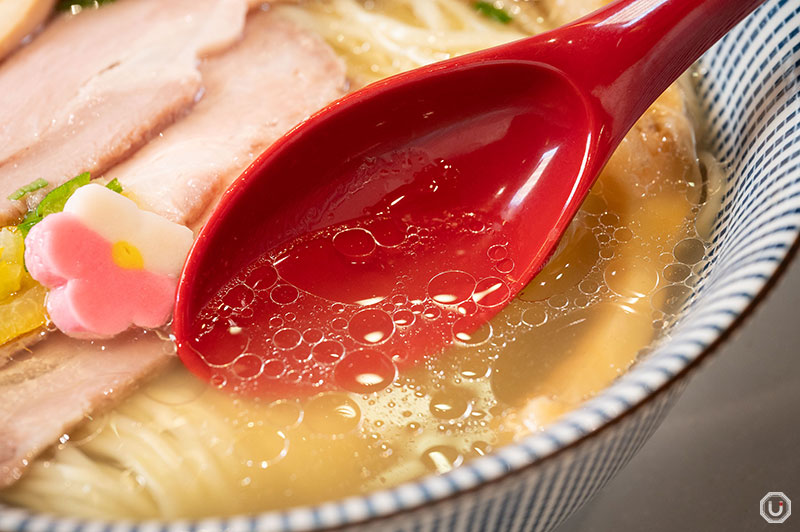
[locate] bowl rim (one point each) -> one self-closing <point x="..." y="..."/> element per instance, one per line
<point x="694" y="365"/>
<point x="25" y="516"/>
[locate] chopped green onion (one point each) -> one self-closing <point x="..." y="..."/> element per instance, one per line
<point x="69" y="5"/>
<point x="53" y="202"/>
<point x="28" y="222"/>
<point x="114" y="185"/>
<point x="23" y="191"/>
<point x="487" y="9"/>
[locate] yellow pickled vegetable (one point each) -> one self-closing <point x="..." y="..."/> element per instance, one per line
<point x="12" y="245"/>
<point x="10" y="279"/>
<point x="22" y="313"/>
<point x="21" y="298"/>
<point x="11" y="261"/>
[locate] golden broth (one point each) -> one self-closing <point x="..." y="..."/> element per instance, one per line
<point x="179" y="448"/>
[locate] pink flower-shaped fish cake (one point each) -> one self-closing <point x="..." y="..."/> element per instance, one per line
<point x="108" y="264"/>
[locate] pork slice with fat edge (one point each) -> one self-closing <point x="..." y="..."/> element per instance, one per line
<point x="254" y="93"/>
<point x="277" y="75"/>
<point x="93" y="87"/>
<point x="44" y="393"/>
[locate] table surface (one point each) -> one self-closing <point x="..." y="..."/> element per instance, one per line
<point x="732" y="437"/>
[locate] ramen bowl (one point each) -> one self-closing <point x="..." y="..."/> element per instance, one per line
<point x="748" y="90"/>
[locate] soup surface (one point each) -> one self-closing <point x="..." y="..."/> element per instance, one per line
<point x="631" y="258"/>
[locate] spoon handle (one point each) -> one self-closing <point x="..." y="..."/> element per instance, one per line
<point x="626" y="54"/>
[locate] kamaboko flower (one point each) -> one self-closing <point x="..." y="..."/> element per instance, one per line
<point x="108" y="264"/>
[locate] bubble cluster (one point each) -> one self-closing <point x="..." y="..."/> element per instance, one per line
<point x="360" y="340"/>
<point x="610" y="278"/>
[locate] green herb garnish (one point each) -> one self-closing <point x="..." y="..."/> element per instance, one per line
<point x="67" y="5"/>
<point x="53" y="202"/>
<point x="23" y="191"/>
<point x="487" y="9"/>
<point x="114" y="185"/>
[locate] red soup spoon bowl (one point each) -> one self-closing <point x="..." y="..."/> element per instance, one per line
<point x="398" y="220"/>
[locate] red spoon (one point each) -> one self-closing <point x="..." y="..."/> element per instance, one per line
<point x="398" y="220"/>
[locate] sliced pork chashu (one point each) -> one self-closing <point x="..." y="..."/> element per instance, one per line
<point x="47" y="391"/>
<point x="93" y="87"/>
<point x="254" y="92"/>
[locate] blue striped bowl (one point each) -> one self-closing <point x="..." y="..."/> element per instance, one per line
<point x="751" y="94"/>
